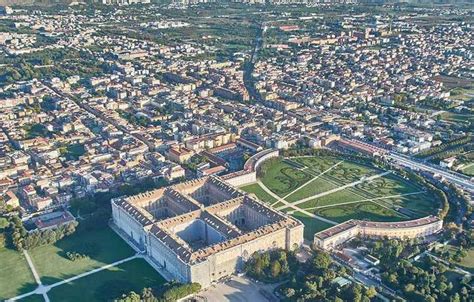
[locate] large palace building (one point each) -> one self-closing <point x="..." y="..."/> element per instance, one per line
<point x="204" y="229"/>
<point x="336" y="235"/>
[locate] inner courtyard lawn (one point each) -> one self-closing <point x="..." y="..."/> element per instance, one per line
<point x="109" y="284"/>
<point x="15" y="275"/>
<point x="102" y="246"/>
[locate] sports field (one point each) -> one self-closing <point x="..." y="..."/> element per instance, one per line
<point x="333" y="190"/>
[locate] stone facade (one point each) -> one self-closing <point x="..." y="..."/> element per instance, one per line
<point x="204" y="229"/>
<point x="418" y="228"/>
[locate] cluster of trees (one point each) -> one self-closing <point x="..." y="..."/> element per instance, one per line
<point x="21" y="239"/>
<point x="389" y="251"/>
<point x="437" y="103"/>
<point x="196" y="160"/>
<point x="36" y="130"/>
<point x="23" y="68"/>
<point x="135" y="120"/>
<point x="426" y="281"/>
<point x="315" y="282"/>
<point x="271" y="266"/>
<point x="73" y="256"/>
<point x="170" y="292"/>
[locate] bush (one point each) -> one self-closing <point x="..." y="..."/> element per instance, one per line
<point x="73" y="256"/>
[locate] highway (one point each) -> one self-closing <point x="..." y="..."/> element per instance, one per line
<point x="453" y="177"/>
<point x="417" y="164"/>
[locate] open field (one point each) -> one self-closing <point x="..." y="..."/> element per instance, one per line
<point x="259" y="192"/>
<point x="340" y="190"/>
<point x="311" y="225"/>
<point x="33" y="298"/>
<point x="103" y="247"/>
<point x="467" y="262"/>
<point x="109" y="284"/>
<point x="15" y="275"/>
<point x="469" y="170"/>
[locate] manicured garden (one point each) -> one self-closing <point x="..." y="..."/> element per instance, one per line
<point x="388" y="197"/>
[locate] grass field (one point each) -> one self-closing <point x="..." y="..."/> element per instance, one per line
<point x="311" y="225"/>
<point x="467" y="262"/>
<point x="15" y="275"/>
<point x="32" y="298"/>
<point x="259" y="192"/>
<point x="387" y="197"/>
<point x="109" y="284"/>
<point x="469" y="170"/>
<point x="103" y="247"/>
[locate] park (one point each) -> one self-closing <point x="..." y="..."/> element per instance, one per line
<point x="328" y="189"/>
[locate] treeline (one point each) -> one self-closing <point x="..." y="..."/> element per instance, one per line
<point x="21" y="239"/>
<point x="443" y="148"/>
<point x="171" y="292"/>
<point x="271" y="266"/>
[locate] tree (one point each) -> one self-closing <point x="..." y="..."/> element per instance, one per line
<point x="130" y="297"/>
<point x="289" y="292"/>
<point x="3" y="223"/>
<point x="409" y="288"/>
<point x="276" y="269"/>
<point x="321" y="261"/>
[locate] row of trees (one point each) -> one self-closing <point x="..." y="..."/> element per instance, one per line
<point x="442" y="149"/>
<point x="170" y="292"/>
<point x="21" y="239"/>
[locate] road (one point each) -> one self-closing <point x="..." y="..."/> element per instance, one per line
<point x="249" y="66"/>
<point x="456" y="178"/>
<point x="100" y="115"/>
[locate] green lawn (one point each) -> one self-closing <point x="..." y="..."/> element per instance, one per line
<point x="469" y="170"/>
<point x="259" y="192"/>
<point x="15" y="275"/>
<point x="311" y="225"/>
<point x="33" y="298"/>
<point x="109" y="284"/>
<point x="467" y="262"/>
<point x="103" y="246"/>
